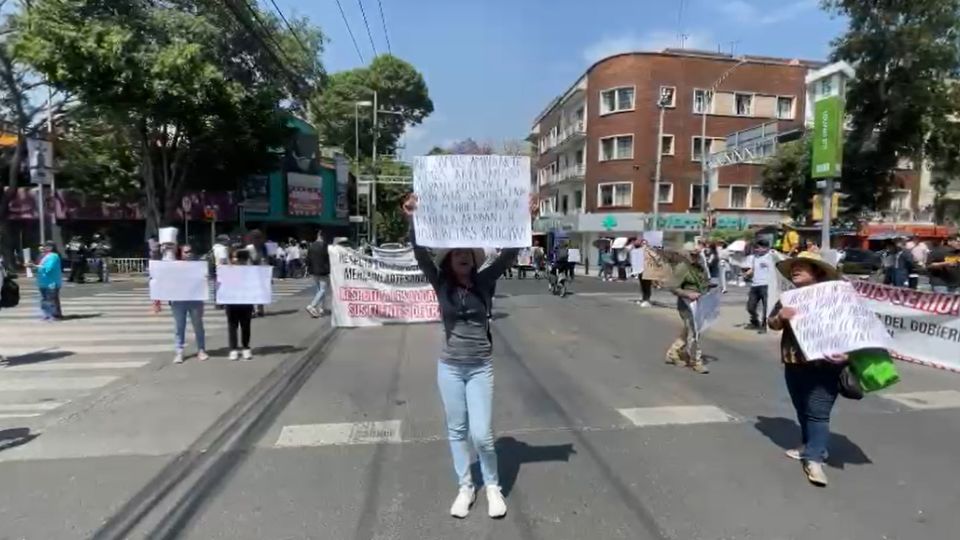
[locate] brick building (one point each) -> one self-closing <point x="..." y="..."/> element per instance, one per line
<point x="597" y="143"/>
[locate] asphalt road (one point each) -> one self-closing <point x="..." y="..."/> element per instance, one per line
<point x="597" y="438"/>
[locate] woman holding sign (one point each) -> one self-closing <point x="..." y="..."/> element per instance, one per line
<point x="185" y="308"/>
<point x="813" y="383"/>
<point x="465" y="369"/>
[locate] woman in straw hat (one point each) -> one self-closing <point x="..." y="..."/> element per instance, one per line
<point x="465" y="369"/>
<point x="813" y="383"/>
<point x="689" y="281"/>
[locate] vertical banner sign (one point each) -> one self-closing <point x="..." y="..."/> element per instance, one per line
<point x="374" y="292"/>
<point x="828" y="137"/>
<point x="472" y="201"/>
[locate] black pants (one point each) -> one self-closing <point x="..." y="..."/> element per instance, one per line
<point x="77" y="268"/>
<point x="239" y="316"/>
<point x="758" y="295"/>
<point x="646" y="288"/>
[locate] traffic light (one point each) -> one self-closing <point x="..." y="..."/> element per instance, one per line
<point x="818" y="207"/>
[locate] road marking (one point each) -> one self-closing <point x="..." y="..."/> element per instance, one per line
<point x="21" y="384"/>
<point x="15" y="329"/>
<point x="348" y="433"/>
<point x="86" y="337"/>
<point x="4" y="416"/>
<point x="100" y="322"/>
<point x="14" y="352"/>
<point x="21" y="407"/>
<point x="73" y="366"/>
<point x="942" y="399"/>
<point x="676" y="415"/>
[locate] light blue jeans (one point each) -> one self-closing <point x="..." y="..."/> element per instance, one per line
<point x="321" y="282"/>
<point x="180" y="311"/>
<point x="467" y="393"/>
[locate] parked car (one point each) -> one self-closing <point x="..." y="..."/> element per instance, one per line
<point x="861" y="261"/>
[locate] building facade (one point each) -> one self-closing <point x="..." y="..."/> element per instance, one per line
<point x="597" y="143"/>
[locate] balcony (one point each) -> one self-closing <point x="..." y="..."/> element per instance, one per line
<point x="574" y="133"/>
<point x="574" y="173"/>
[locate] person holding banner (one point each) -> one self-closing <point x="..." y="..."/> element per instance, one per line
<point x="182" y="309"/>
<point x="813" y="383"/>
<point x="464" y="289"/>
<point x="688" y="283"/>
<point x="638" y="262"/>
<point x="240" y="315"/>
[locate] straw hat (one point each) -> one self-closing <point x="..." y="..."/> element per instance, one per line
<point x="814" y="259"/>
<point x="479" y="256"/>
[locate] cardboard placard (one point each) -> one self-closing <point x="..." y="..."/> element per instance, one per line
<point x="172" y="281"/>
<point x="244" y="285"/>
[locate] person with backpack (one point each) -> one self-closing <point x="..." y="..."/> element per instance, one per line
<point x="464" y="292"/>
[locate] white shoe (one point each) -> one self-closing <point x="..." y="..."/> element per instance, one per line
<point x="313" y="312"/>
<point x="644" y="304"/>
<point x="234" y="355"/>
<point x="496" y="506"/>
<point x="203" y="356"/>
<point x="178" y="358"/>
<point x="463" y="502"/>
<point x="247" y="354"/>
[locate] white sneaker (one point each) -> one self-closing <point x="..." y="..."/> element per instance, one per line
<point x="234" y="355"/>
<point x="247" y="354"/>
<point x="313" y="312"/>
<point x="463" y="502"/>
<point x="496" y="506"/>
<point x="178" y="358"/>
<point x="203" y="356"/>
<point x="644" y="304"/>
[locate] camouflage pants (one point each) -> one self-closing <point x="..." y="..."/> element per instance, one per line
<point x="686" y="348"/>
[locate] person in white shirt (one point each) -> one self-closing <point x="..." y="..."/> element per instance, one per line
<point x="759" y="268"/>
<point x="293" y="256"/>
<point x="638" y="262"/>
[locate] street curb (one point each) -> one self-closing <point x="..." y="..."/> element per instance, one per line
<point x="213" y="455"/>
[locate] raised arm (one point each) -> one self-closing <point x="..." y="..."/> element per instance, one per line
<point x="421" y="254"/>
<point x="499" y="265"/>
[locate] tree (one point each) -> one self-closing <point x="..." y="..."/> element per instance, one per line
<point x="400" y="89"/>
<point x="902" y="103"/>
<point x="389" y="220"/>
<point x="470" y="146"/>
<point x="787" y="180"/>
<point x="182" y="79"/>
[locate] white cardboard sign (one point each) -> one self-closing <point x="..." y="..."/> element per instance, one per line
<point x="172" y="281"/>
<point x="472" y="201"/>
<point x="832" y="319"/>
<point x="244" y="285"/>
<point x="706" y="310"/>
<point x="573" y="255"/>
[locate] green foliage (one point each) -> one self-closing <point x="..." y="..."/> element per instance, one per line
<point x="390" y="221"/>
<point x="787" y="180"/>
<point x="902" y="102"/>
<point x="400" y="88"/>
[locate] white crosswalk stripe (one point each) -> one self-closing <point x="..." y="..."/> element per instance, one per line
<point x="105" y="335"/>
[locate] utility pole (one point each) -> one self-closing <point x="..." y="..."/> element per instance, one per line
<point x="54" y="226"/>
<point x="373" y="186"/>
<point x="662" y="105"/>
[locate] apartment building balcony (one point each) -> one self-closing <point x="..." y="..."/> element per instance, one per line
<point x="565" y="138"/>
<point x="572" y="174"/>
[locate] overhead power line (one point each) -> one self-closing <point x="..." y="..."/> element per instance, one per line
<point x="349" y="31"/>
<point x="275" y="55"/>
<point x="292" y="31"/>
<point x="367" y="24"/>
<point x="384" y="21"/>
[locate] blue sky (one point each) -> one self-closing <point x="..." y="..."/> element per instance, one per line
<point x="492" y="65"/>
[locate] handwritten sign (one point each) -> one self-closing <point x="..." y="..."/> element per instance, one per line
<point x="655" y="268"/>
<point x="244" y="285"/>
<point x="172" y="281"/>
<point x="472" y="201"/>
<point x="573" y="255"/>
<point x="706" y="310"/>
<point x="832" y="319"/>
<point x="653" y="238"/>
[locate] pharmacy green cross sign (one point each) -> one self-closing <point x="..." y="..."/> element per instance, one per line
<point x="609" y="222"/>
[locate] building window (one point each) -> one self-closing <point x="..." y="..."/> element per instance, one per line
<point x="619" y="194"/>
<point x="667" y="144"/>
<point x="616" y="100"/>
<point x="696" y="192"/>
<point x="565" y="204"/>
<point x="578" y="200"/>
<point x="900" y="200"/>
<point x="668" y="96"/>
<point x="785" y="108"/>
<point x="696" y="147"/>
<point x="702" y="101"/>
<point x="743" y="104"/>
<point x="739" y="197"/>
<point x="666" y="193"/>
<point x="616" y="147"/>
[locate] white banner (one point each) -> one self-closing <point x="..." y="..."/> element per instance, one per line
<point x="244" y="285"/>
<point x="831" y="319"/>
<point x="172" y="281"/>
<point x="472" y="201"/>
<point x="706" y="310"/>
<point x="371" y="292"/>
<point x="404" y="254"/>
<point x="573" y="255"/>
<point x="923" y="326"/>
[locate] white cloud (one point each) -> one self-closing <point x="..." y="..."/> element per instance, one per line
<point x="749" y="13"/>
<point x="651" y="41"/>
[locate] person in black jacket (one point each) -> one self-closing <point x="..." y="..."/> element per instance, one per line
<point x="318" y="264"/>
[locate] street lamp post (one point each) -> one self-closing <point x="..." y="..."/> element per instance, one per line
<point x="356" y="153"/>
<point x="708" y="101"/>
<point x="662" y="102"/>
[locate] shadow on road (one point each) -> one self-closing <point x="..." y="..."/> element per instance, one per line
<point x="511" y="454"/>
<point x="33" y="358"/>
<point x="80" y="316"/>
<point x="269" y="349"/>
<point x="13" y="437"/>
<point x="785" y="433"/>
<point x="281" y="312"/>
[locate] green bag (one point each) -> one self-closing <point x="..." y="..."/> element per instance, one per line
<point x="874" y="368"/>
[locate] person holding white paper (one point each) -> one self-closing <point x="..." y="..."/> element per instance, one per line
<point x="464" y="292"/>
<point x="813" y="383"/>
<point x="240" y="315"/>
<point x="182" y="309"/>
<point x="638" y="263"/>
<point x="688" y="282"/>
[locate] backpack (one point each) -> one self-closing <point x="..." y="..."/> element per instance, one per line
<point x="9" y="293"/>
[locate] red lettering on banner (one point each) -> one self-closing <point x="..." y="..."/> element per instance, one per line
<point x="935" y="303"/>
